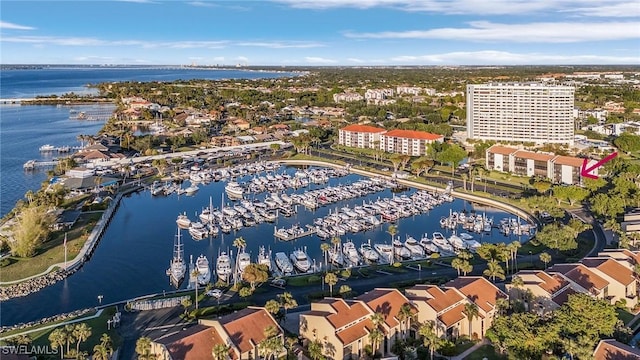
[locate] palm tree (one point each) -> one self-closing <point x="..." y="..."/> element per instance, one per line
<point x="315" y="350"/>
<point x="69" y="336"/>
<point x="404" y="315"/>
<point x="376" y="335"/>
<point x="272" y="343"/>
<point x="291" y="342"/>
<point x="331" y="279"/>
<point x="100" y="352"/>
<point x="502" y="305"/>
<point x="272" y="306"/>
<point x="430" y="338"/>
<point x="393" y="231"/>
<point x="457" y="264"/>
<point x="518" y="284"/>
<point x="545" y="258"/>
<point x="287" y="301"/>
<point x="220" y="351"/>
<point x="81" y="333"/>
<point x="466" y="267"/>
<point x="325" y="249"/>
<point x="464" y="177"/>
<point x="239" y="243"/>
<point x="195" y="274"/>
<point x="57" y="338"/>
<point x="143" y="348"/>
<point x="186" y="303"/>
<point x="514" y="246"/>
<point x="470" y="311"/>
<point x="494" y="270"/>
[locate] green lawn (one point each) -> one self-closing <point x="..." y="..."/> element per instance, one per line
<point x="625" y="316"/>
<point x="32" y="335"/>
<point x="485" y="351"/>
<point x="529" y="246"/>
<point x="52" y="251"/>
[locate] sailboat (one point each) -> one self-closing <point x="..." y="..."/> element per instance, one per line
<point x="177" y="267"/>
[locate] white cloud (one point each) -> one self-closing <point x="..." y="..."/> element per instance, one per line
<point x="492" y="57"/>
<point x="218" y="58"/>
<point x="355" y="60"/>
<point x="12" y="26"/>
<point x="478" y="7"/>
<point x="94" y="59"/>
<point x="202" y="4"/>
<point x="319" y="60"/>
<point x="242" y="59"/>
<point x="281" y="44"/>
<point x="560" y="32"/>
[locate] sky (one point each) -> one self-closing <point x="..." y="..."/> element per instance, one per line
<point x="320" y="32"/>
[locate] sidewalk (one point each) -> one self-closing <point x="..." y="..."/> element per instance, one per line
<point x="470" y="350"/>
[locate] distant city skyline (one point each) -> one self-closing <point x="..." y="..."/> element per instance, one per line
<point x="321" y="32"/>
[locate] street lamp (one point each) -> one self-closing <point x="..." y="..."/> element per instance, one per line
<point x="100" y="299"/>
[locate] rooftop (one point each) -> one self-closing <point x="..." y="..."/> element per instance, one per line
<point x="413" y="134"/>
<point x="363" y="128"/>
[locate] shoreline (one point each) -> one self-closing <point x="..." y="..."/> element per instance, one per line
<point x="34" y="283"/>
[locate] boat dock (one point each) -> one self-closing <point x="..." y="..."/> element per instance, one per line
<point x="293" y="233"/>
<point x="33" y="164"/>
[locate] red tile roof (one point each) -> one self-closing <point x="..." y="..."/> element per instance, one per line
<point x="532" y="155"/>
<point x="413" y="134"/>
<point x="363" y="129"/>
<point x="452" y="316"/>
<point x="568" y="160"/>
<point x="346" y="312"/>
<point x="387" y="302"/>
<point x="614" y="350"/>
<point x="195" y="343"/>
<point x="442" y="299"/>
<point x="479" y="290"/>
<point x="581" y="275"/>
<point x="355" y="332"/>
<point x="497" y="149"/>
<point x="551" y="283"/>
<point x="562" y="297"/>
<point x="611" y="268"/>
<point x="246" y="327"/>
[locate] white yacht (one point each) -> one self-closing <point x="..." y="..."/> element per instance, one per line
<point x="264" y="257"/>
<point x="457" y="242"/>
<point x="472" y="245"/>
<point x="283" y="263"/>
<point x="244" y="259"/>
<point x="368" y="253"/>
<point x="234" y="189"/>
<point x="223" y="266"/>
<point x="385" y="251"/>
<point x="197" y="230"/>
<point x="183" y="221"/>
<point x="414" y="247"/>
<point x="191" y="189"/>
<point x="335" y="256"/>
<point x="400" y="251"/>
<point x="441" y="242"/>
<point x="351" y="253"/>
<point x="428" y="245"/>
<point x="300" y="260"/>
<point x="204" y="272"/>
<point x="177" y="267"/>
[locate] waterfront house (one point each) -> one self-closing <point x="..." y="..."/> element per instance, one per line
<point x="527" y="163"/>
<point x="610" y="349"/>
<point x="343" y="326"/>
<point x="583" y="280"/>
<point x="445" y="306"/>
<point x="242" y="331"/>
<point x="499" y="158"/>
<point x="540" y="291"/>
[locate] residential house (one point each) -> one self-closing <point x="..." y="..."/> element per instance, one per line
<point x="631" y="223"/>
<point x="408" y="142"/>
<point x="623" y="285"/>
<point x="610" y="349"/>
<point x="499" y="158"/>
<point x="223" y="141"/>
<point x="445" y="305"/>
<point x="540" y="291"/>
<point x="527" y="163"/>
<point x="566" y="169"/>
<point x="242" y="331"/>
<point x="343" y="326"/>
<point x="583" y="280"/>
<point x="360" y="136"/>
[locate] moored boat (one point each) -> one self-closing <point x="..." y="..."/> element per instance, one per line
<point x="183" y="221"/>
<point x="223" y="266"/>
<point x="204" y="272"/>
<point x="300" y="260"/>
<point x="283" y="263"/>
<point x="177" y="266"/>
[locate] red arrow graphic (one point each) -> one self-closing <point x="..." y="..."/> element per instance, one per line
<point x="586" y="170"/>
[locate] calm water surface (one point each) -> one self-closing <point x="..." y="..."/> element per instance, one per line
<point x="135" y="251"/>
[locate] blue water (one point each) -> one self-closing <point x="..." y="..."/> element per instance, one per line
<point x="135" y="251"/>
<point x="23" y="129"/>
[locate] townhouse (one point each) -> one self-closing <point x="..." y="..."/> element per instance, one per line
<point x="242" y="331"/>
<point x="610" y="349"/>
<point x="557" y="168"/>
<point x="343" y="326"/>
<point x="445" y="305"/>
<point x="610" y="276"/>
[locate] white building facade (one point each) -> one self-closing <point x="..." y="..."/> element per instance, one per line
<point x="527" y="112"/>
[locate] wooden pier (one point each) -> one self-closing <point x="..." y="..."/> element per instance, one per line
<point x="34" y="164"/>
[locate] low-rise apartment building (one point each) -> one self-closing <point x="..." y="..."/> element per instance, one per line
<point x="408" y="142"/>
<point x="242" y="331"/>
<point x="343" y="326"/>
<point x="360" y="136"/>
<point x="445" y="306"/>
<point x="557" y="168"/>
